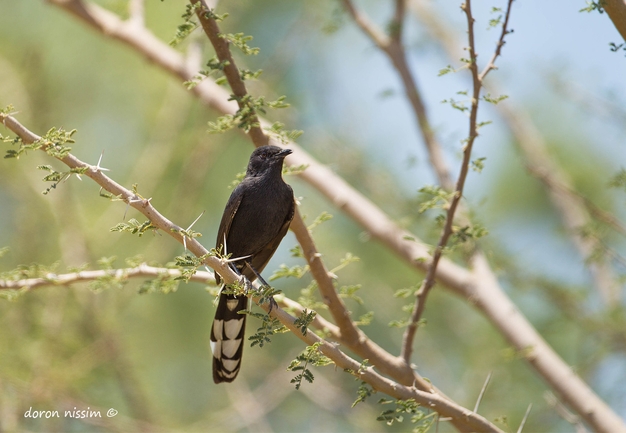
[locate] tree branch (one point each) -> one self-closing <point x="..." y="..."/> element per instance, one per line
<point x="143" y="270"/>
<point x="146" y="271"/>
<point x="397" y="23"/>
<point x="221" y="46"/>
<point x="349" y="334"/>
<point x="616" y="10"/>
<point x="492" y="62"/>
<point x="136" y="9"/>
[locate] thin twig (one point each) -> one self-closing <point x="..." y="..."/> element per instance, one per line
<point x="142" y="270"/>
<point x="482" y="392"/>
<point x="137" y="12"/>
<point x="397" y="23"/>
<point x="429" y="281"/>
<point x="505" y="31"/>
<point x="145" y="271"/>
<point x="564" y="412"/>
<point x="349" y="331"/>
<point x="521" y="426"/>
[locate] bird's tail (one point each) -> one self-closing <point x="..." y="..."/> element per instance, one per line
<point x="227" y="335"/>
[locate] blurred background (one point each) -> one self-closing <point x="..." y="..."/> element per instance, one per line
<point x="147" y="355"/>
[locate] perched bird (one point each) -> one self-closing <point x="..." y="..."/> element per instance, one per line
<point x="256" y="218"/>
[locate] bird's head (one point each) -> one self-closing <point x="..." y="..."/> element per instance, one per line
<point x="265" y="159"/>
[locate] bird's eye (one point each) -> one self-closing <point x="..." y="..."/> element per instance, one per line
<point x="263" y="155"/>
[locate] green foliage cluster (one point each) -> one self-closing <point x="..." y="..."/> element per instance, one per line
<point x="278" y="131"/>
<point x="363" y="392"/>
<point x="214" y="67"/>
<point x="246" y="117"/>
<point x="134" y="227"/>
<point x="419" y="416"/>
<point x="594" y="6"/>
<point x="269" y="326"/>
<point x="304" y="320"/>
<point x="53" y="142"/>
<point x="240" y="41"/>
<point x="189" y="24"/>
<point x="310" y="356"/>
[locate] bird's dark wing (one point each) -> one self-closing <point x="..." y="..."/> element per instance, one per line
<point x="227" y="219"/>
<point x="261" y="258"/>
<point x="227" y="332"/>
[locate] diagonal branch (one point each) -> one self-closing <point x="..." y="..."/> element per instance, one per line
<point x="492" y="62"/>
<point x="397" y="23"/>
<point x="616" y="10"/>
<point x="349" y="334"/>
<point x="221" y="46"/>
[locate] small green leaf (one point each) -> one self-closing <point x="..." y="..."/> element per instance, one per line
<point x="304" y="320"/>
<point x="445" y="71"/>
<point x="324" y="216"/>
<point x="363" y="391"/>
<point x="478" y="164"/>
<point x="349" y="292"/>
<point x="241" y="41"/>
<point x="284" y="271"/>
<point x="494" y="100"/>
<point x="188" y="26"/>
<point x="134" y="227"/>
<point x="311" y="355"/>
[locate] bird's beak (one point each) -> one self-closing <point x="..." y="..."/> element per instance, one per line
<point x="283" y="153"/>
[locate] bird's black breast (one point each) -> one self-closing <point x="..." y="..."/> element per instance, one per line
<point x="260" y="210"/>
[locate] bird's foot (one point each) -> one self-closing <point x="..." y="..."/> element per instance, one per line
<point x="272" y="305"/>
<point x="242" y="281"/>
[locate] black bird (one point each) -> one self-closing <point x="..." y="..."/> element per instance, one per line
<point x="256" y="218"/>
